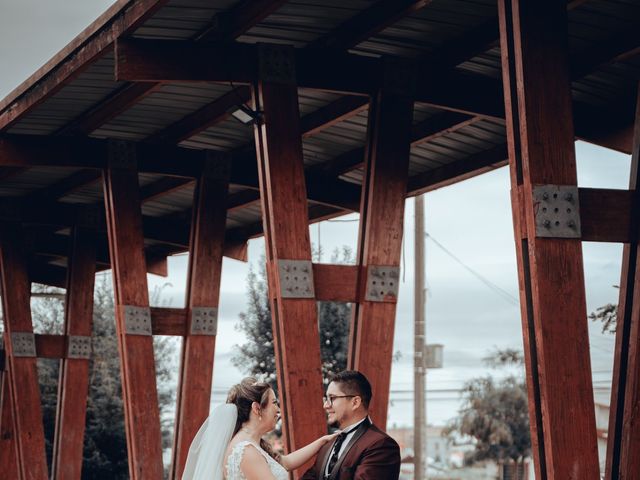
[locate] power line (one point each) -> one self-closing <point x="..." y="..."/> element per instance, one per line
<point x="495" y="288"/>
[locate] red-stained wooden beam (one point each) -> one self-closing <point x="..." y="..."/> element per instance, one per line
<point x="8" y="448"/>
<point x="177" y="61"/>
<point x="203" y="294"/>
<point x="126" y="244"/>
<point x="73" y="385"/>
<point x="335" y="283"/>
<point x="65" y="186"/>
<point x="451" y="173"/>
<point x="623" y="440"/>
<point x="380" y="236"/>
<point x="286" y="227"/>
<point x="203" y="118"/>
<point x="238" y="19"/>
<point x="25" y="404"/>
<point x="108" y="109"/>
<point x="541" y="152"/>
<point x="169" y="321"/>
<point x="51" y="346"/>
<point x="332" y="114"/>
<point x="368" y="22"/>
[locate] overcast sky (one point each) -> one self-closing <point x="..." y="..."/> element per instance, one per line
<point x="472" y="220"/>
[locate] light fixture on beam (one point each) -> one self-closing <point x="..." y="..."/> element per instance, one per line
<point x="247" y="116"/>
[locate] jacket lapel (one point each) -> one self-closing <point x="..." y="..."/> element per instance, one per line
<point x="356" y="436"/>
<point x="325" y="459"/>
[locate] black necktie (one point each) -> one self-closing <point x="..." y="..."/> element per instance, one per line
<point x="336" y="450"/>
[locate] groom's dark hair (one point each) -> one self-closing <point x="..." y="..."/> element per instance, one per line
<point x="353" y="382"/>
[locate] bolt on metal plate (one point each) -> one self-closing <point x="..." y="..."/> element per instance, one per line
<point x="204" y="321"/>
<point x="23" y="344"/>
<point x="382" y="283"/>
<point x="79" y="346"/>
<point x="557" y="211"/>
<point x="296" y="279"/>
<point x="137" y="320"/>
<point x="277" y="64"/>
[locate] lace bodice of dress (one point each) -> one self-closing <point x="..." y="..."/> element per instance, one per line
<point x="233" y="472"/>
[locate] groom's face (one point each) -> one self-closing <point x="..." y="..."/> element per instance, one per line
<point x="338" y="406"/>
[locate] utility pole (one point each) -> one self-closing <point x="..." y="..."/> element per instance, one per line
<point x="419" y="360"/>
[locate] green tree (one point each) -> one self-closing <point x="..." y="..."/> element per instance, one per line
<point x="257" y="357"/>
<point x="105" y="450"/>
<point x="495" y="415"/>
<point x="607" y="315"/>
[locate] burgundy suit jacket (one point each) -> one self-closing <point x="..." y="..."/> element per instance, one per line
<point x="371" y="454"/>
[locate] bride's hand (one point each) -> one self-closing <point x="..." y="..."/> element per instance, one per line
<point x="328" y="438"/>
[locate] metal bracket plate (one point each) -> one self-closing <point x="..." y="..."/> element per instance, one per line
<point x="557" y="211"/>
<point x="23" y="344"/>
<point x="79" y="346"/>
<point x="382" y="283"/>
<point x="204" y="321"/>
<point x="277" y="64"/>
<point x="122" y="154"/>
<point x="296" y="279"/>
<point x="137" y="320"/>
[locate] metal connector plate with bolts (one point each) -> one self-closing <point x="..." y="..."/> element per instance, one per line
<point x="557" y="211"/>
<point x="23" y="344"/>
<point x="296" y="279"/>
<point x="204" y="321"/>
<point x="382" y="283"/>
<point x="137" y="320"/>
<point x="79" y="346"/>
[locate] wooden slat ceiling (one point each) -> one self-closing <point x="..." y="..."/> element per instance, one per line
<point x="76" y="96"/>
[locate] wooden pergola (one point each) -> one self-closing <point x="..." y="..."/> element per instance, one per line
<point x="123" y="150"/>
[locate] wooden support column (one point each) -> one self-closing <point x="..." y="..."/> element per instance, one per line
<point x="73" y="386"/>
<point x="133" y="322"/>
<point x="623" y="441"/>
<point x="552" y="296"/>
<point x="380" y="235"/>
<point x="285" y="218"/>
<point x="203" y="293"/>
<point x="8" y="447"/>
<point x="22" y="362"/>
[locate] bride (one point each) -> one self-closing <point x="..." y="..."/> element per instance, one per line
<point x="229" y="445"/>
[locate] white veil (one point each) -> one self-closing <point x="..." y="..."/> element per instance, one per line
<point x="207" y="450"/>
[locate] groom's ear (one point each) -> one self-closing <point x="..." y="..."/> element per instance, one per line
<point x="356" y="401"/>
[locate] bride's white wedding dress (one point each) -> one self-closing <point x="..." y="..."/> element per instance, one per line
<point x="233" y="472"/>
<point x="206" y="454"/>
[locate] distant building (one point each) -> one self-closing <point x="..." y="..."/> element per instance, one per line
<point x="438" y="447"/>
<point x="602" y="427"/>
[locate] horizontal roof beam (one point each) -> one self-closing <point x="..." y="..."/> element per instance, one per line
<point x="181" y="61"/>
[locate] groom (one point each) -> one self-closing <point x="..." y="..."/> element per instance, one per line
<point x="362" y="451"/>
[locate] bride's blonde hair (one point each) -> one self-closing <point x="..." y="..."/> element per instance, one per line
<point x="242" y="395"/>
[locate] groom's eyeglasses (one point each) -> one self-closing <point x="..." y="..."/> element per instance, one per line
<point x="331" y="398"/>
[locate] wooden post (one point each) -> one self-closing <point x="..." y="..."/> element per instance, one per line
<point x="73" y="386"/>
<point x="284" y="213"/>
<point x="380" y="235"/>
<point x="203" y="293"/>
<point x="540" y="134"/>
<point x="623" y="441"/>
<point x="8" y="448"/>
<point x="20" y="343"/>
<point x="133" y="322"/>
